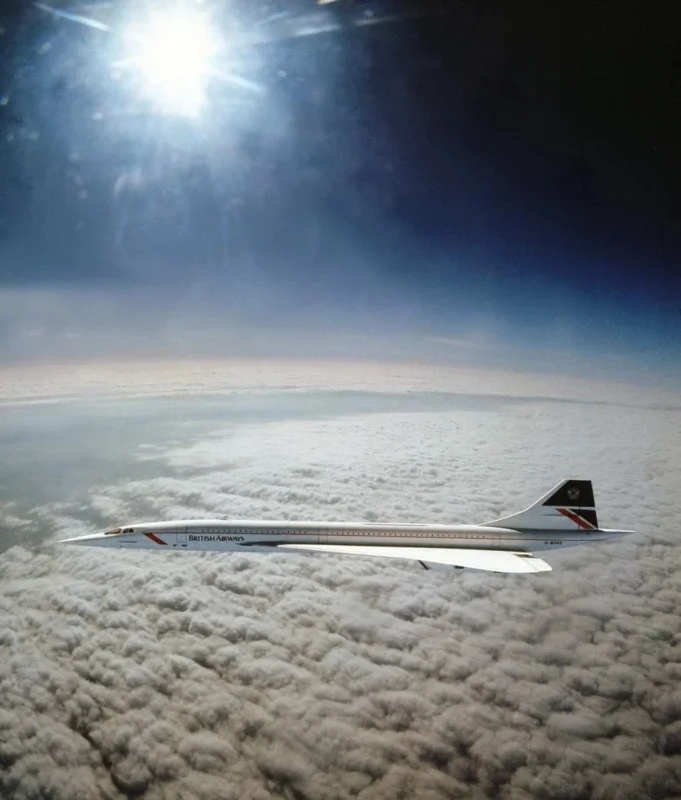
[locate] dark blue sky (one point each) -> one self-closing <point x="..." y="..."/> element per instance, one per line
<point x="504" y="170"/>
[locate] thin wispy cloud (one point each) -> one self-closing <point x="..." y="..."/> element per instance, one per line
<point x="115" y="377"/>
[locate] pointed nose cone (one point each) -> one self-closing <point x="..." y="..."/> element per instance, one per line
<point x="92" y="540"/>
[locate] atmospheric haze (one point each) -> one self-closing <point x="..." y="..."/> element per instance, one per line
<point x="236" y="676"/>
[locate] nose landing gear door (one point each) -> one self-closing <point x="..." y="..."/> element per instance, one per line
<point x="182" y="535"/>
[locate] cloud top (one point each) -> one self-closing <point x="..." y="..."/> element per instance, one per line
<point x="232" y="676"/>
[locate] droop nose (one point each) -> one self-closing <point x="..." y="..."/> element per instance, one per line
<point x="91" y="540"/>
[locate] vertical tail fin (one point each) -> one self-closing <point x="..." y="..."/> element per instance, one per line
<point x="569" y="506"/>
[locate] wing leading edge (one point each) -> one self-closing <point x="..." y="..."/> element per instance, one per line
<point x="489" y="560"/>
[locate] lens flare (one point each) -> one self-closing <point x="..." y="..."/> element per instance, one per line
<point x="172" y="56"/>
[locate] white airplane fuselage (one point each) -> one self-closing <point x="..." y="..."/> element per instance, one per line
<point x="265" y="536"/>
<point x="564" y="517"/>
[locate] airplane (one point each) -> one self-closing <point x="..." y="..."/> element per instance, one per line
<point x="564" y="517"/>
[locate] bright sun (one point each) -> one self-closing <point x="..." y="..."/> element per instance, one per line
<point x="172" y="54"/>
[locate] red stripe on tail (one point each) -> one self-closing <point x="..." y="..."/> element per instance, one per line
<point x="582" y="523"/>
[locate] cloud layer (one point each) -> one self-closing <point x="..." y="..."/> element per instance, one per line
<point x="236" y="676"/>
<point x="195" y="377"/>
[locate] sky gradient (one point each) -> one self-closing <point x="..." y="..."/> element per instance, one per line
<point x="505" y="176"/>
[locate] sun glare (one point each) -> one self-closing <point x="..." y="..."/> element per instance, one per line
<point x="172" y="56"/>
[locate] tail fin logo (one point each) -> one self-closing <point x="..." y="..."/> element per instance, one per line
<point x="568" y="505"/>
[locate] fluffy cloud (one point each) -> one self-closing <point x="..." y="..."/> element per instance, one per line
<point x="220" y="676"/>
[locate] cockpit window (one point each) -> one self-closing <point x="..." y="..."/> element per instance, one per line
<point x="112" y="531"/>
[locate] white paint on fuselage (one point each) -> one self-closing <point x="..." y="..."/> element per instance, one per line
<point x="261" y="536"/>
